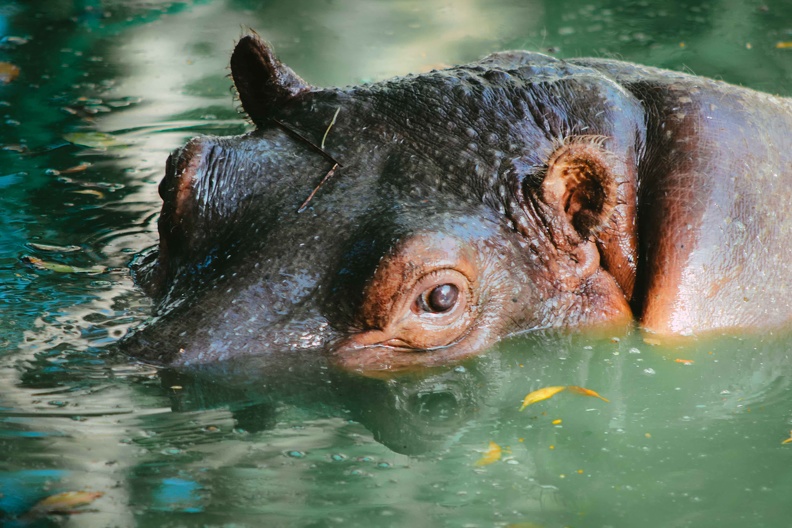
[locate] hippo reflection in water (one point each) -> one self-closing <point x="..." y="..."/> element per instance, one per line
<point x="465" y="205"/>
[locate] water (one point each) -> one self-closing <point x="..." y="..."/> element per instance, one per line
<point x="692" y="433"/>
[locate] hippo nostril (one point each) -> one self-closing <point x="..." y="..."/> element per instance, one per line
<point x="183" y="168"/>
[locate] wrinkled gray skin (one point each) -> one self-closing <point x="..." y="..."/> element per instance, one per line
<point x="547" y="193"/>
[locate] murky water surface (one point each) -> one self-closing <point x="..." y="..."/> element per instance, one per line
<point x="98" y="94"/>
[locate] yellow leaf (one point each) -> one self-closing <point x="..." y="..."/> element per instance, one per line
<point x="540" y="395"/>
<point x="77" y="168"/>
<point x="587" y="392"/>
<point x="65" y="502"/>
<point x="92" y="192"/>
<point x="788" y="440"/>
<point x="61" y="268"/>
<point x="493" y="454"/>
<point x="784" y="45"/>
<point x="684" y="361"/>
<point x="98" y="140"/>
<point x="8" y="72"/>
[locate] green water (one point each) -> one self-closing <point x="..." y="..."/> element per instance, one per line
<point x="678" y="444"/>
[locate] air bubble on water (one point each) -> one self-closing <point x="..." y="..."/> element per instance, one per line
<point x="295" y="454"/>
<point x="649" y="371"/>
<point x="634" y="350"/>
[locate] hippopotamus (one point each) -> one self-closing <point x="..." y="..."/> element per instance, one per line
<point x="417" y="221"/>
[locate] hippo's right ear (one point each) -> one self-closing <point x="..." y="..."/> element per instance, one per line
<point x="581" y="186"/>
<point x="262" y="81"/>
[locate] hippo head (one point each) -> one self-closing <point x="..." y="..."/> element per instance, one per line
<point x="402" y="224"/>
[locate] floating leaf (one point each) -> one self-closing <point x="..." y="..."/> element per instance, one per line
<point x="8" y="72"/>
<point x="784" y="45"/>
<point x="540" y="395"/>
<point x="98" y="140"/>
<point x="788" y="440"/>
<point x="58" y="249"/>
<point x="92" y="192"/>
<point x="61" y="268"/>
<point x="16" y="148"/>
<point x="77" y="168"/>
<point x="493" y="454"/>
<point x="587" y="392"/>
<point x="65" y="502"/>
<point x="684" y="361"/>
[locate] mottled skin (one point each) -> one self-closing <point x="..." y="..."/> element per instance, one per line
<point x="538" y="192"/>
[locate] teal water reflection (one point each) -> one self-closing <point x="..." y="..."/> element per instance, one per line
<point x="696" y="442"/>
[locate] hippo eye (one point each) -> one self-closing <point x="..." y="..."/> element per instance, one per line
<point x="439" y="299"/>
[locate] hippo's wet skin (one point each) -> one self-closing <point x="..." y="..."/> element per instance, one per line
<point x="465" y="205"/>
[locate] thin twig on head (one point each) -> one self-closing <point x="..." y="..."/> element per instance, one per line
<point x="289" y="130"/>
<point x="327" y="177"/>
<point x="329" y="127"/>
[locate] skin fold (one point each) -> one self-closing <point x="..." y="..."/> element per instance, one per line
<point x="462" y="206"/>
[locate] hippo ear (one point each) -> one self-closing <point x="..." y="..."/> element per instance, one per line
<point x="580" y="185"/>
<point x="262" y="81"/>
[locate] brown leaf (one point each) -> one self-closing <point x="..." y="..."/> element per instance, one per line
<point x="8" y="72"/>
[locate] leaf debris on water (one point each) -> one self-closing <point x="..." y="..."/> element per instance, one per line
<point x="77" y="168"/>
<point x="548" y="392"/>
<point x="53" y="248"/>
<point x="8" y="72"/>
<point x="97" y="140"/>
<point x="587" y="392"/>
<point x="788" y="440"/>
<point x="61" y="268"/>
<point x="493" y="454"/>
<point x="540" y="395"/>
<point x="92" y="192"/>
<point x="63" y="503"/>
